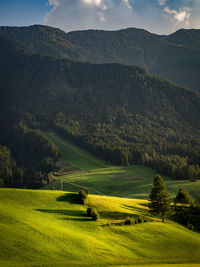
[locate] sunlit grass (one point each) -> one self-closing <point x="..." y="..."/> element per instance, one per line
<point x="49" y="227"/>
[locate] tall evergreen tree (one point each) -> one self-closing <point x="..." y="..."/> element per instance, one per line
<point x="159" y="201"/>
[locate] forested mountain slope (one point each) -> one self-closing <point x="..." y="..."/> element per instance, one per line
<point x="118" y="112"/>
<point x="175" y="57"/>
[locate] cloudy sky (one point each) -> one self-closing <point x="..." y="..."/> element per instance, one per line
<point x="158" y="16"/>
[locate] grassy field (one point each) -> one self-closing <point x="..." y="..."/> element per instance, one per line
<point x="48" y="228"/>
<point x="72" y="155"/>
<point x="131" y="181"/>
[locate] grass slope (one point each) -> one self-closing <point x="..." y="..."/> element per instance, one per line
<point x="131" y="181"/>
<point x="72" y="155"/>
<point x="48" y="228"/>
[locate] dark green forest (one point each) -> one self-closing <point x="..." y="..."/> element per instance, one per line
<point x="175" y="57"/>
<point x="119" y="113"/>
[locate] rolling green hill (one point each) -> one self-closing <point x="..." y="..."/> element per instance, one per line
<point x="48" y="228"/>
<point x="133" y="182"/>
<point x="175" y="57"/>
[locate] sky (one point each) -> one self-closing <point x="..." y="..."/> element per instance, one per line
<point x="157" y="16"/>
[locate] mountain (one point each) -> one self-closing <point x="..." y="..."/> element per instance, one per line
<point x="117" y="112"/>
<point x="175" y="57"/>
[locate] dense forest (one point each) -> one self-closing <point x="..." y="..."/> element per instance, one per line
<point x="117" y="112"/>
<point x="175" y="57"/>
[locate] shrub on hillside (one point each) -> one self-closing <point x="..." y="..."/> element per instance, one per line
<point x="129" y="221"/>
<point x="92" y="212"/>
<point x="140" y="219"/>
<point x="89" y="211"/>
<point x="94" y="215"/>
<point x="83" y="195"/>
<point x="183" y="197"/>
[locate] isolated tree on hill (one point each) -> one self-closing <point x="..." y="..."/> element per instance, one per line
<point x="83" y="194"/>
<point x="159" y="201"/>
<point x="183" y="197"/>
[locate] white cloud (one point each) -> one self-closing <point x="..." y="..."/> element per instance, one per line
<point x="101" y="17"/>
<point x="72" y="15"/>
<point x="127" y="3"/>
<point x="182" y="16"/>
<point x="159" y="16"/>
<point x="93" y="2"/>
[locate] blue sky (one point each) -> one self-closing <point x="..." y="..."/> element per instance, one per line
<point x="22" y="12"/>
<point x="158" y="16"/>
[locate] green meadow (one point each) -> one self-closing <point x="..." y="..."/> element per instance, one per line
<point x="74" y="156"/>
<point x="48" y="228"/>
<point x="131" y="181"/>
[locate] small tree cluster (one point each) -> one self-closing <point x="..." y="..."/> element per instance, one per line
<point x="92" y="212"/>
<point x="131" y="221"/>
<point x="83" y="194"/>
<point x="183" y="197"/>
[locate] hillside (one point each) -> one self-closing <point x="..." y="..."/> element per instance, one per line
<point x="175" y="57"/>
<point x="121" y="181"/>
<point x="49" y="228"/>
<point x="119" y="113"/>
<point x="74" y="157"/>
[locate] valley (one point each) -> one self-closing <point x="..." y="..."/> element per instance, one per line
<point x="86" y="127"/>
<point x="50" y="227"/>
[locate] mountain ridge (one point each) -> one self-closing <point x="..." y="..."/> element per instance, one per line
<point x="175" y="57"/>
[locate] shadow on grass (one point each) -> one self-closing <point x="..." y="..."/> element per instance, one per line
<point x="71" y="198"/>
<point x="136" y="209"/>
<point x="116" y="215"/>
<point x="79" y="215"/>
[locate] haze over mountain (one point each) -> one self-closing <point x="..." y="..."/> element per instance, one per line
<point x="175" y="57"/>
<point x="118" y="112"/>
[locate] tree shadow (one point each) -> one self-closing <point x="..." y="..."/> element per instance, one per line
<point x="140" y="210"/>
<point x="116" y="215"/>
<point x="71" y="198"/>
<point x="79" y="215"/>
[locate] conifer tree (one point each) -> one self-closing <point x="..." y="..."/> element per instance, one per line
<point x="159" y="201"/>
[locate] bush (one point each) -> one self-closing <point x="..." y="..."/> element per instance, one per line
<point x="92" y="212"/>
<point x="94" y="215"/>
<point x="129" y="221"/>
<point x="83" y="195"/>
<point x="190" y="226"/>
<point x="140" y="219"/>
<point x="52" y="188"/>
<point x="89" y="211"/>
<point x="86" y="190"/>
